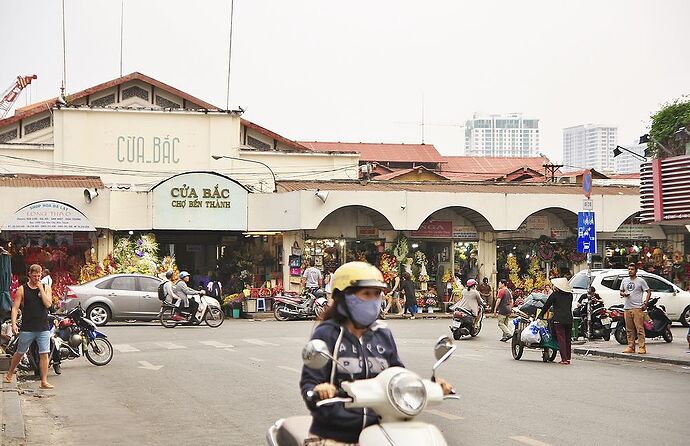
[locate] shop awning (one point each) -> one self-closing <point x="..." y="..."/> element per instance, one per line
<point x="48" y="216"/>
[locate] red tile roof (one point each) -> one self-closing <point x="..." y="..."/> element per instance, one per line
<point x="25" y="112"/>
<point x="381" y="152"/>
<point x="28" y="180"/>
<point x="454" y="186"/>
<point x="478" y="168"/>
<point x="400" y="172"/>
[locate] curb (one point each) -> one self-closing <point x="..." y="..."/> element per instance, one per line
<point x="638" y="358"/>
<point x="11" y="412"/>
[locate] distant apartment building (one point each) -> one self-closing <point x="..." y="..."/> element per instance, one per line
<point x="589" y="146"/>
<point x="509" y="135"/>
<point x="627" y="163"/>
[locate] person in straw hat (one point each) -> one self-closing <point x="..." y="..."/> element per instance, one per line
<point x="562" y="301"/>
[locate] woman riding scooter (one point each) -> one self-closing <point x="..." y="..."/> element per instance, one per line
<point x="349" y="323"/>
<point x="181" y="291"/>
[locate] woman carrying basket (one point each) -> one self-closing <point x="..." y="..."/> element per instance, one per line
<point x="562" y="301"/>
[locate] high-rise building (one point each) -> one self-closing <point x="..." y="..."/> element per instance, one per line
<point x="589" y="146"/>
<point x="502" y="135"/>
<point x="627" y="163"/>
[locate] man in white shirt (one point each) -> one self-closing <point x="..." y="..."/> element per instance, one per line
<point x="632" y="290"/>
<point x="311" y="278"/>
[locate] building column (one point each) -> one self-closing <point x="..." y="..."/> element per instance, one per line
<point x="487" y="256"/>
<point x="289" y="239"/>
<point x="104" y="244"/>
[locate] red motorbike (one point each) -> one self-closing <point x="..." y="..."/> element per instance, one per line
<point x="308" y="305"/>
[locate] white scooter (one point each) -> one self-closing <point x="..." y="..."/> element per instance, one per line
<point x="396" y="394"/>
<point x="208" y="311"/>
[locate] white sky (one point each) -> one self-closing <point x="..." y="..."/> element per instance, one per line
<point x="356" y="70"/>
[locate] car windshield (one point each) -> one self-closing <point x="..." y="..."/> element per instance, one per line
<point x="580" y="281"/>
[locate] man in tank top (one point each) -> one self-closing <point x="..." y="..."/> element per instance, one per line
<point x="34" y="299"/>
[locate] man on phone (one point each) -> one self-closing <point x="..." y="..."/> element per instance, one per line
<point x="632" y="289"/>
<point x="34" y="299"/>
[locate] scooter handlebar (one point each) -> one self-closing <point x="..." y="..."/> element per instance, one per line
<point x="340" y="397"/>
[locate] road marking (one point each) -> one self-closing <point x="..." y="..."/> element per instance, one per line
<point x="448" y="416"/>
<point x="260" y="342"/>
<point x="216" y="344"/>
<point x="289" y="369"/>
<point x="529" y="441"/>
<point x="125" y="348"/>
<point x="148" y="366"/>
<point x="256" y="359"/>
<point x="170" y="345"/>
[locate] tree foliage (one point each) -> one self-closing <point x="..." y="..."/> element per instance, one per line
<point x="665" y="124"/>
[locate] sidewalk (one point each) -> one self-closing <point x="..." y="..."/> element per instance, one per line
<point x="675" y="352"/>
<point x="11" y="413"/>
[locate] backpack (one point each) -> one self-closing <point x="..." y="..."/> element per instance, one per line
<point x="161" y="290"/>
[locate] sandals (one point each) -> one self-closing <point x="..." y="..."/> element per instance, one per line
<point x="7" y="379"/>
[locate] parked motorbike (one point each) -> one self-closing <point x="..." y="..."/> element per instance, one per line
<point x="310" y="304"/>
<point x="77" y="335"/>
<point x="208" y="311"/>
<point x="397" y="395"/>
<point x="659" y="326"/>
<point x="463" y="322"/>
<point x="601" y="323"/>
<point x="30" y="361"/>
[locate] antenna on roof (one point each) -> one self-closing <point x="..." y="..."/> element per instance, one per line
<point x="232" y="13"/>
<point x="64" y="53"/>
<point x="122" y="21"/>
<point x="422" y="117"/>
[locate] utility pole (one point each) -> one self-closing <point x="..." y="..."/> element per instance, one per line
<point x="550" y="171"/>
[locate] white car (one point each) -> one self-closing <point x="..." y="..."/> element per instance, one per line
<point x="608" y="281"/>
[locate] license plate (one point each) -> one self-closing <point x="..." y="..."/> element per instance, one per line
<point x="606" y="321"/>
<point x="456" y="324"/>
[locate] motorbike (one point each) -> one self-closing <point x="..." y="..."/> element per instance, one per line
<point x="310" y="304"/>
<point x="77" y="335"/>
<point x="397" y="395"/>
<point x="30" y="360"/>
<point x="601" y="323"/>
<point x="208" y="311"/>
<point x="463" y="322"/>
<point x="659" y="326"/>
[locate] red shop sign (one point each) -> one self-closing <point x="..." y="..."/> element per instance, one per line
<point x="434" y="229"/>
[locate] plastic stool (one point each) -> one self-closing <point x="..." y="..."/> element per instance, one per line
<point x="261" y="304"/>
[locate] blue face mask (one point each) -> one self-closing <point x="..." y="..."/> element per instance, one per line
<point x="362" y="312"/>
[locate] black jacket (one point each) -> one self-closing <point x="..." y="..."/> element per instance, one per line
<point x="562" y="303"/>
<point x="377" y="350"/>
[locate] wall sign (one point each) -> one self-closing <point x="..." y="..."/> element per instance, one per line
<point x="635" y="232"/>
<point x="48" y="216"/>
<point x="200" y="201"/>
<point x="434" y="229"/>
<point x="367" y="232"/>
<point x="465" y="233"/>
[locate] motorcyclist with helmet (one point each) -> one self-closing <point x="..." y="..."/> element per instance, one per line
<point x="471" y="300"/>
<point x="181" y="291"/>
<point x="363" y="345"/>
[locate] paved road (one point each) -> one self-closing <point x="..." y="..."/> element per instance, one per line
<point x="226" y="386"/>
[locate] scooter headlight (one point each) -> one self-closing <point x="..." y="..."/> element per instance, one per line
<point x="407" y="393"/>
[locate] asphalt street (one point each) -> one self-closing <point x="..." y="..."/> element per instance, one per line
<point x="197" y="385"/>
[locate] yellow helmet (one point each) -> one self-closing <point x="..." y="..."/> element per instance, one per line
<point x="357" y="274"/>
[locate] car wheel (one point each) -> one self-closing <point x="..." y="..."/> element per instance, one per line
<point x="99" y="314"/>
<point x="685" y="317"/>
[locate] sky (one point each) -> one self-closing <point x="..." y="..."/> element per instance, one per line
<point x="320" y="70"/>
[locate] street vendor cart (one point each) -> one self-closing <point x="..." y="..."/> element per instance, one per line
<point x="547" y="343"/>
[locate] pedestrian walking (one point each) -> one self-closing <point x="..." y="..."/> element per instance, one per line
<point x="407" y="287"/>
<point x="486" y="292"/>
<point x="561" y="299"/>
<point x="503" y="308"/>
<point x="632" y="290"/>
<point x="33" y="299"/>
<point x="392" y="298"/>
<point x="215" y="289"/>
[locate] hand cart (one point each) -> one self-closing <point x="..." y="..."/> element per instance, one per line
<point x="549" y="348"/>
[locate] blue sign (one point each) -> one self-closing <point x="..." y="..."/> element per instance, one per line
<point x="587" y="184"/>
<point x="586" y="233"/>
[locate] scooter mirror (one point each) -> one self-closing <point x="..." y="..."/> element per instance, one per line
<point x="315" y="354"/>
<point x="443" y="345"/>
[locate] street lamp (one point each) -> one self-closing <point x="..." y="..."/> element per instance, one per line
<point x="620" y="149"/>
<point x="275" y="184"/>
<point x="647" y="137"/>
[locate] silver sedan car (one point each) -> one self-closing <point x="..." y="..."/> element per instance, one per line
<point x="116" y="297"/>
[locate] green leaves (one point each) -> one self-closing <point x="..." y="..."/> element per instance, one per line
<point x="665" y="125"/>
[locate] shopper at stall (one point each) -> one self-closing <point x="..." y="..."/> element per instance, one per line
<point x="503" y="308"/>
<point x="311" y="278"/>
<point x="632" y="289"/>
<point x="46" y="279"/>
<point x="407" y="287"/>
<point x="486" y="292"/>
<point x="562" y="302"/>
<point x="392" y="298"/>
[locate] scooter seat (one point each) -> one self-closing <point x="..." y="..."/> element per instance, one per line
<point x="294" y="430"/>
